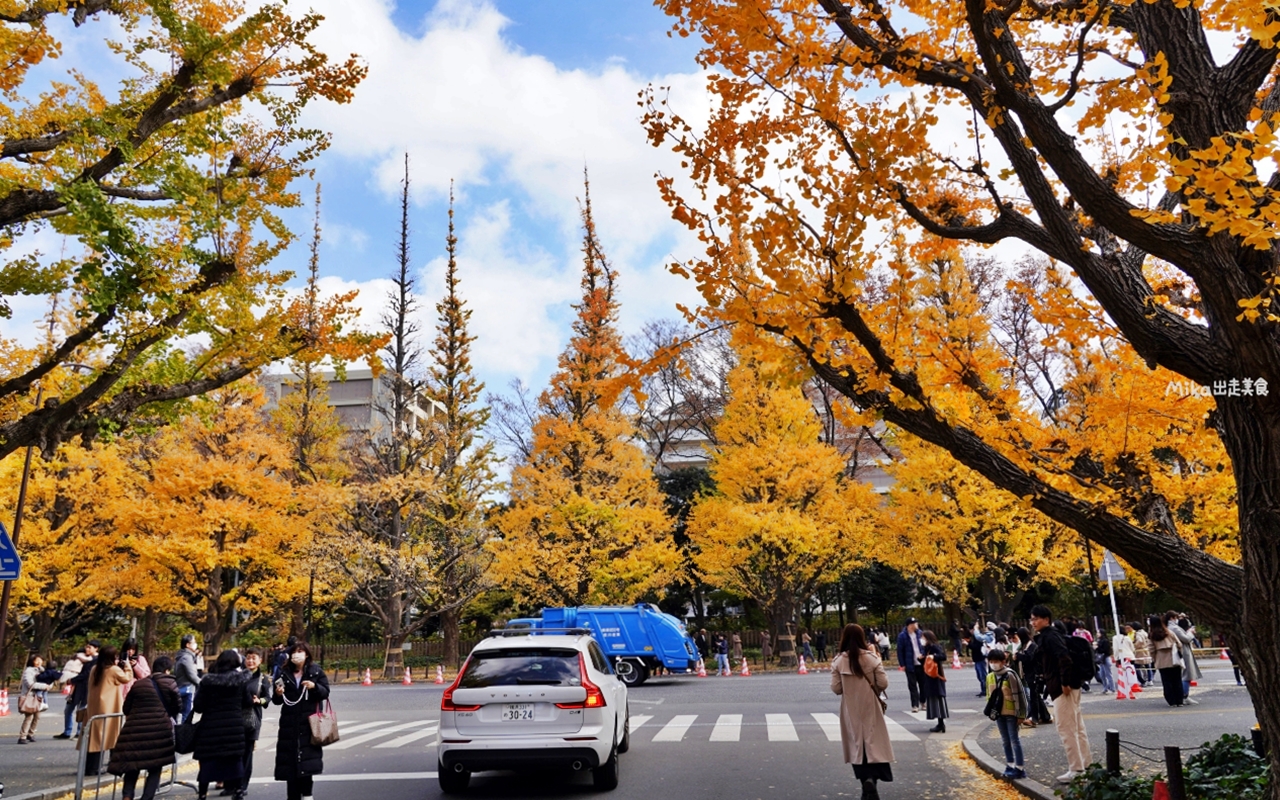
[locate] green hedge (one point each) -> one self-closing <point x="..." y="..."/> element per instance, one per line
<point x="1228" y="767"/>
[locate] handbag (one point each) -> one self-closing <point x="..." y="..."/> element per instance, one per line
<point x="930" y="667"/>
<point x="881" y="696"/>
<point x="184" y="737"/>
<point x="324" y="725"/>
<point x="29" y="703"/>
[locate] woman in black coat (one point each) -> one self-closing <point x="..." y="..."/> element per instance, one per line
<point x="934" y="690"/>
<point x="146" y="740"/>
<point x="258" y="694"/>
<point x="221" y="701"/>
<point x="301" y="689"/>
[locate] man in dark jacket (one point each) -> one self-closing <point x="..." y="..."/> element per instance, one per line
<point x="1060" y="679"/>
<point x="911" y="659"/>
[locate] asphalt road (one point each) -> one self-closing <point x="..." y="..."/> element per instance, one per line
<point x="688" y="742"/>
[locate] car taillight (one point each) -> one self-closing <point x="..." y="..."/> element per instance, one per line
<point x="595" y="697"/>
<point x="446" y="699"/>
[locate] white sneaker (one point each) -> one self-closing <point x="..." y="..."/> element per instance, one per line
<point x="1063" y="778"/>
<point x="1190" y="701"/>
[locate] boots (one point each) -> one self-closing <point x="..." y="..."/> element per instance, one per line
<point x="941" y="727"/>
<point x="869" y="791"/>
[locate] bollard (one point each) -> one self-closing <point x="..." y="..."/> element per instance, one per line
<point x="1113" y="751"/>
<point x="1259" y="744"/>
<point x="1173" y="766"/>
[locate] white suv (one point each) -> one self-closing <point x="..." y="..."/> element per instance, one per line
<point x="534" y="698"/>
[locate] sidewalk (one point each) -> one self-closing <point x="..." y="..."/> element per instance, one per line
<point x="1146" y="722"/>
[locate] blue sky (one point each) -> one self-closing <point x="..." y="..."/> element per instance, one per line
<point x="510" y="99"/>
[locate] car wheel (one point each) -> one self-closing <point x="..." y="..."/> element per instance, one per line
<point x="631" y="673"/>
<point x="625" y="744"/>
<point x="605" y="776"/>
<point x="452" y="782"/>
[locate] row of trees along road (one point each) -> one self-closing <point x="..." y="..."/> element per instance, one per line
<point x="1130" y="142"/>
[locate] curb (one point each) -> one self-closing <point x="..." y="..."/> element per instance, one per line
<point x="995" y="767"/>
<point x="63" y="791"/>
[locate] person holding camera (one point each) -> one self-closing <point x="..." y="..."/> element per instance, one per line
<point x="146" y="740"/>
<point x="300" y="690"/>
<point x="106" y="679"/>
<point x="141" y="670"/>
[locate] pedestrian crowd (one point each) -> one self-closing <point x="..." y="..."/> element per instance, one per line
<point x="143" y="714"/>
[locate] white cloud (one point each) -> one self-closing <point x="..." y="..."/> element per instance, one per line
<point x="468" y="105"/>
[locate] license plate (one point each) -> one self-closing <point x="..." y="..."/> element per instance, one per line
<point x="518" y="711"/>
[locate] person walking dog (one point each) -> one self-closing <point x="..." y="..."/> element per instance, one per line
<point x="857" y="675"/>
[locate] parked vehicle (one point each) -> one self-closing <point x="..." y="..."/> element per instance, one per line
<point x="534" y="698"/>
<point x="637" y="639"/>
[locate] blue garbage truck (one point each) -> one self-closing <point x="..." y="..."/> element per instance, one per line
<point x="638" y="639"/>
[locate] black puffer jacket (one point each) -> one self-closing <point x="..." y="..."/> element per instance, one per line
<point x="221" y="702"/>
<point x="146" y="741"/>
<point x="295" y="755"/>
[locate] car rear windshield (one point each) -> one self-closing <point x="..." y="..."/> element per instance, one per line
<point x="534" y="666"/>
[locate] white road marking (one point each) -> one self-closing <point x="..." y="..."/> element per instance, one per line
<point x="432" y="730"/>
<point x="897" y="733"/>
<point x="344" y="743"/>
<point x="780" y="728"/>
<point x="728" y="728"/>
<point x="342" y="729"/>
<point x="364" y="776"/>
<point x="830" y="725"/>
<point x="639" y="719"/>
<point x="675" y="730"/>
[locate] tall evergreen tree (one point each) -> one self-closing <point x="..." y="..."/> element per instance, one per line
<point x="463" y="464"/>
<point x="586" y="523"/>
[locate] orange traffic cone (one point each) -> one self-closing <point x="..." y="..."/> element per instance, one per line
<point x="1223" y="655"/>
<point x="4" y="702"/>
<point x="803" y="669"/>
<point x="367" y="680"/>
<point x="1160" y="791"/>
<point x="66" y="688"/>
<point x="1195" y="683"/>
<point x="746" y="671"/>
<point x="702" y="669"/>
<point x="439" y="673"/>
<point x="408" y="679"/>
<point x="955" y="659"/>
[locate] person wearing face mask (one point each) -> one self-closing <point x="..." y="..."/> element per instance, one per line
<point x="258" y="691"/>
<point x="300" y="690"/>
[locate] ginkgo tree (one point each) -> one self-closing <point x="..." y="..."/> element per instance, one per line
<point x="783" y="518"/>
<point x="165" y="189"/>
<point x="586" y="522"/>
<point x="1132" y="142"/>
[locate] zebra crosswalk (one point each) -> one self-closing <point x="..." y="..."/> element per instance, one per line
<point x="367" y="732"/>
<point x="729" y="728"/>
<point x="722" y="728"/>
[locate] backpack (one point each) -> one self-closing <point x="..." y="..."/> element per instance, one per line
<point x="1082" y="666"/>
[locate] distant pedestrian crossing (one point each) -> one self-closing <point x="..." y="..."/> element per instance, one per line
<point x="730" y="728"/>
<point x="674" y="729"/>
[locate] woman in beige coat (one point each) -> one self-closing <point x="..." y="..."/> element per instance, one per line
<point x="858" y="677"/>
<point x="106" y="696"/>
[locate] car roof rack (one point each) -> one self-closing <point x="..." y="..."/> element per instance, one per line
<point x="537" y="631"/>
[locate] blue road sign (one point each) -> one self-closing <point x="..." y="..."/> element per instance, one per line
<point x="10" y="563"/>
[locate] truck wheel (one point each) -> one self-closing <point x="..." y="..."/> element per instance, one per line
<point x="630" y="672"/>
<point x="605" y="776"/>
<point x="452" y="782"/>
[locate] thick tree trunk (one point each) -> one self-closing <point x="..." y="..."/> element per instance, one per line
<point x="298" y="619"/>
<point x="449" y="623"/>
<point x="781" y="617"/>
<point x="1253" y="442"/>
<point x="393" y="661"/>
